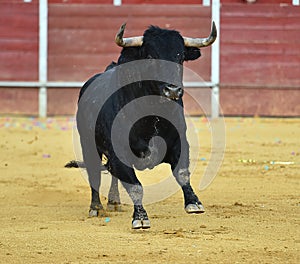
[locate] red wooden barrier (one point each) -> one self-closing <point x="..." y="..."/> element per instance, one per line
<point x="18" y="41"/>
<point x="81" y="38"/>
<point x="257" y="2"/>
<point x="124" y="2"/>
<point x="18" y="55"/>
<point x="259" y="49"/>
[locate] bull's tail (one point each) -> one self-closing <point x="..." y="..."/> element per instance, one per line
<point x="75" y="164"/>
<point x="81" y="164"/>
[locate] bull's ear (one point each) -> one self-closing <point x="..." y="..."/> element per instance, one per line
<point x="191" y="53"/>
<point x="130" y="54"/>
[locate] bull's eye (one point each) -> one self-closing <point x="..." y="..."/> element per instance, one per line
<point x="180" y="57"/>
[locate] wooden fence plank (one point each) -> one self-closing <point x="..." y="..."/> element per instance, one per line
<point x="18" y="41"/>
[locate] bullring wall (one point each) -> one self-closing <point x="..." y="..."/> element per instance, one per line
<point x="259" y="51"/>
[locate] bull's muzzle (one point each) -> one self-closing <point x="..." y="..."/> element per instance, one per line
<point x="173" y="92"/>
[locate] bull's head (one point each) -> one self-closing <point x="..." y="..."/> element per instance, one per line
<point x="163" y="44"/>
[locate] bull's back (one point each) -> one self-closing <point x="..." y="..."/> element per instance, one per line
<point x="89" y="81"/>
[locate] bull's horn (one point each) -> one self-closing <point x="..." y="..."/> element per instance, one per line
<point x="127" y="42"/>
<point x="202" y="42"/>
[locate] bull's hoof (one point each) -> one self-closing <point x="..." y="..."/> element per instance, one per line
<point x="93" y="213"/>
<point x="97" y="213"/>
<point x="114" y="207"/>
<point x="138" y="224"/>
<point x="196" y="208"/>
<point x="140" y="218"/>
<point x="96" y="210"/>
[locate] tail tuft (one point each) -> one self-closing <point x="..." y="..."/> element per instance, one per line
<point x="75" y="164"/>
<point x="80" y="164"/>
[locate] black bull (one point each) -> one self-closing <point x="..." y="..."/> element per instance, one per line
<point x="133" y="115"/>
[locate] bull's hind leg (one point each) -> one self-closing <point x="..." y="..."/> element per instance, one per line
<point x="95" y="181"/>
<point x="135" y="191"/>
<point x="114" y="203"/>
<point x="92" y="160"/>
<point x="96" y="206"/>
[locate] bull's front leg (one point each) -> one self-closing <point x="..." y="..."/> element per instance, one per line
<point x="180" y="168"/>
<point x="134" y="189"/>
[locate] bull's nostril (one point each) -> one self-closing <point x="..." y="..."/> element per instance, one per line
<point x="167" y="92"/>
<point x="172" y="86"/>
<point x="173" y="91"/>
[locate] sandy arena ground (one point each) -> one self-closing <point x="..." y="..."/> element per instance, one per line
<point x="252" y="209"/>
